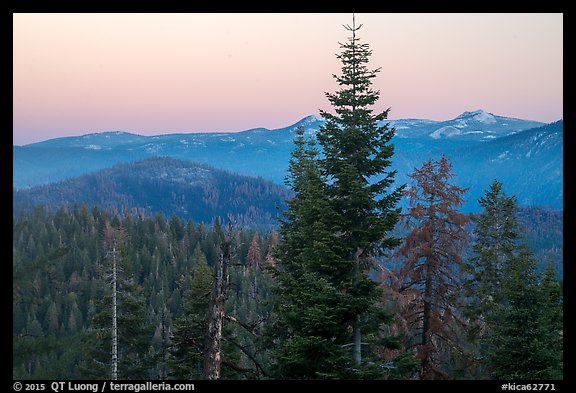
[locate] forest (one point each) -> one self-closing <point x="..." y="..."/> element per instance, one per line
<point x="334" y="292"/>
<point x="62" y="296"/>
<point x="62" y="290"/>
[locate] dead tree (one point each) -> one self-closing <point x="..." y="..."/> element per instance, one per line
<point x="213" y="341"/>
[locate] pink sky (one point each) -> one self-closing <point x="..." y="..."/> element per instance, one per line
<point x="171" y="73"/>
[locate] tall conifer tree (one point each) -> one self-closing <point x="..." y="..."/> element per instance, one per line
<point x="357" y="159"/>
<point x="187" y="348"/>
<point x="518" y="311"/>
<point x="497" y="233"/>
<point x="335" y="227"/>
<point x="308" y="328"/>
<point x="516" y="336"/>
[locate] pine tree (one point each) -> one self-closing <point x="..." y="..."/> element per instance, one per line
<point x="514" y="339"/>
<point x="187" y="349"/>
<point x="518" y="312"/>
<point x="357" y="159"/>
<point x="119" y="336"/>
<point x="433" y="266"/>
<point x="308" y="333"/>
<point x="335" y="227"/>
<point x="497" y="234"/>
<point x="551" y="322"/>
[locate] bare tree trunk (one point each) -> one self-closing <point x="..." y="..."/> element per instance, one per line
<point x="114" y="363"/>
<point x="426" y="350"/>
<point x="112" y="239"/>
<point x="213" y="343"/>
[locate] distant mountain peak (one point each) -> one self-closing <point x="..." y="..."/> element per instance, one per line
<point x="108" y="133"/>
<point x="480" y="115"/>
<point x="472" y="113"/>
<point x="311" y="119"/>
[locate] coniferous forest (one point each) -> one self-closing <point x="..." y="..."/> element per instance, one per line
<point x="348" y="284"/>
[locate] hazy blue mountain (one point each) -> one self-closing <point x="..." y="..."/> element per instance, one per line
<point x="168" y="185"/>
<point x="474" y="141"/>
<point x="476" y="126"/>
<point x="529" y="163"/>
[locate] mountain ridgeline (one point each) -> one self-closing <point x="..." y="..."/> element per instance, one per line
<point x="166" y="185"/>
<point x="525" y="155"/>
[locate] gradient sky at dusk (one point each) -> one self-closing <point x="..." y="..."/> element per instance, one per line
<point x="173" y="73"/>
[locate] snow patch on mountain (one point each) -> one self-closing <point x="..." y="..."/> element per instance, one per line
<point x="445" y="132"/>
<point x="460" y="123"/>
<point x="484" y="117"/>
<point x="505" y="155"/>
<point x="479" y="115"/>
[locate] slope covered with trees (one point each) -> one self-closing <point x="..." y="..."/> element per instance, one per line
<point x="162" y="184"/>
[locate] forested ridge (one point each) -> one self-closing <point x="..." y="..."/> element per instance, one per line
<point x="170" y="186"/>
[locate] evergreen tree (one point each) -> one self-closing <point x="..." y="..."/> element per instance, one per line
<point x="308" y="332"/>
<point x="497" y="232"/>
<point x="335" y="228"/>
<point x="516" y="336"/>
<point x="518" y="312"/>
<point x="357" y="158"/>
<point x="551" y="322"/>
<point x="187" y="349"/>
<point x="120" y="327"/>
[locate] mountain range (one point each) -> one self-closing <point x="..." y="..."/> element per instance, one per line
<point x="527" y="156"/>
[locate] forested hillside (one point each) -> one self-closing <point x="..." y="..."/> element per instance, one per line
<point x="167" y="185"/>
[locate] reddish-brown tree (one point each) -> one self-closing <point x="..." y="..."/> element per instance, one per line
<point x="273" y="240"/>
<point x="430" y="275"/>
<point x="254" y="256"/>
<point x="254" y="259"/>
